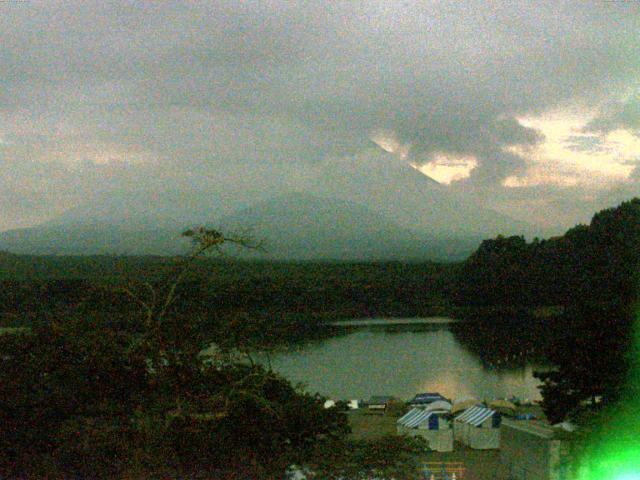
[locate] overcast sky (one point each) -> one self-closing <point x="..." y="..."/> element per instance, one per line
<point x="530" y="108"/>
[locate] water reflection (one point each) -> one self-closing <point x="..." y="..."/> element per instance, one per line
<point x="401" y="360"/>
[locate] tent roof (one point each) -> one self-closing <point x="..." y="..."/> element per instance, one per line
<point x="567" y="426"/>
<point x="439" y="405"/>
<point x="476" y="415"/>
<point x="464" y="404"/>
<point x="424" y="398"/>
<point x="415" y="417"/>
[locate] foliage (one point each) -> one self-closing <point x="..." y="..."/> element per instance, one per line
<point x="495" y="273"/>
<point x="85" y="396"/>
<point x="592" y="357"/>
<point x="297" y="298"/>
<point x="593" y="272"/>
<point x="590" y="354"/>
<point x="599" y="261"/>
<point x="504" y="338"/>
<point x="62" y="386"/>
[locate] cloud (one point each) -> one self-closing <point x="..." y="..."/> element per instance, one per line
<point x="618" y="115"/>
<point x="447" y="169"/>
<point x="582" y="143"/>
<point x="229" y="91"/>
<point x="571" y="154"/>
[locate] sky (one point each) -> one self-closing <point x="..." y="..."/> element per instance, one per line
<point x="529" y="108"/>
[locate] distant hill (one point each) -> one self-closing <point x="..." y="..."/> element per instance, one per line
<point x="294" y="227"/>
<point x="301" y="226"/>
<point x="413" y="200"/>
<point x="375" y="180"/>
<point x="96" y="239"/>
<point x="367" y="207"/>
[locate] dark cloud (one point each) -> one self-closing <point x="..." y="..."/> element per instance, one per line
<point x="618" y="115"/>
<point x="238" y="92"/>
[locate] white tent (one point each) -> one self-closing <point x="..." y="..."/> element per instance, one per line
<point x="431" y="426"/>
<point x="478" y="427"/>
<point x="439" y="406"/>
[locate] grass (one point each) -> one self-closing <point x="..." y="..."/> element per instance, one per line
<point x="369" y="426"/>
<point x="8" y="330"/>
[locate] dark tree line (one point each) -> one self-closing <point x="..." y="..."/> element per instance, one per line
<point x="596" y="262"/>
<point x="311" y="292"/>
<point x="592" y="271"/>
<point x="509" y="271"/>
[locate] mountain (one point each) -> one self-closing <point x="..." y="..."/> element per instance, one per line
<point x="92" y="239"/>
<point x="161" y="208"/>
<point x="369" y="206"/>
<point x="392" y="187"/>
<point x="375" y="179"/>
<point x="296" y="226"/>
<point x="301" y="226"/>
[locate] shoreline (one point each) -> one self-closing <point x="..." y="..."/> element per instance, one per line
<point x="393" y="321"/>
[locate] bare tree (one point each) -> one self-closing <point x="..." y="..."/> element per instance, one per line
<point x="155" y="301"/>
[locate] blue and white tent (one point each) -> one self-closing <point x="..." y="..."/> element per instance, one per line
<point x="478" y="427"/>
<point x="477" y="415"/>
<point x="426" y="399"/>
<point x="431" y="426"/>
<point x="441" y="406"/>
<point x="418" y="416"/>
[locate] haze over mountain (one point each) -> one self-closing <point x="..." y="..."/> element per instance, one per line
<point x="295" y="226"/>
<point x="390" y="186"/>
<point x="366" y="207"/>
<point x="300" y="226"/>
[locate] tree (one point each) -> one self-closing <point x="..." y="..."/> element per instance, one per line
<point x="84" y="395"/>
<point x="592" y="355"/>
<point x="498" y="273"/>
<point x="591" y="360"/>
<point x="592" y="271"/>
<point x="62" y="385"/>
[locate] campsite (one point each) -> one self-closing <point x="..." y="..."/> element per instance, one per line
<point x="476" y="452"/>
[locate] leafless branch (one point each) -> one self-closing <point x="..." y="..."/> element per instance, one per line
<point x="136" y="298"/>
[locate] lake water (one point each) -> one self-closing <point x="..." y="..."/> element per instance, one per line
<point x="401" y="360"/>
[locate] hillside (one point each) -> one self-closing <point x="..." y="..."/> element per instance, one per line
<point x="370" y="207"/>
<point x="294" y="227"/>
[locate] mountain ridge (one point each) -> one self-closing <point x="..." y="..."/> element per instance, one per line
<point x="370" y="206"/>
<point x="295" y="226"/>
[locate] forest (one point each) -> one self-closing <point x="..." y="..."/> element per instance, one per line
<point x="592" y="273"/>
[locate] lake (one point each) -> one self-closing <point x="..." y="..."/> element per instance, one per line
<point x="401" y="359"/>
